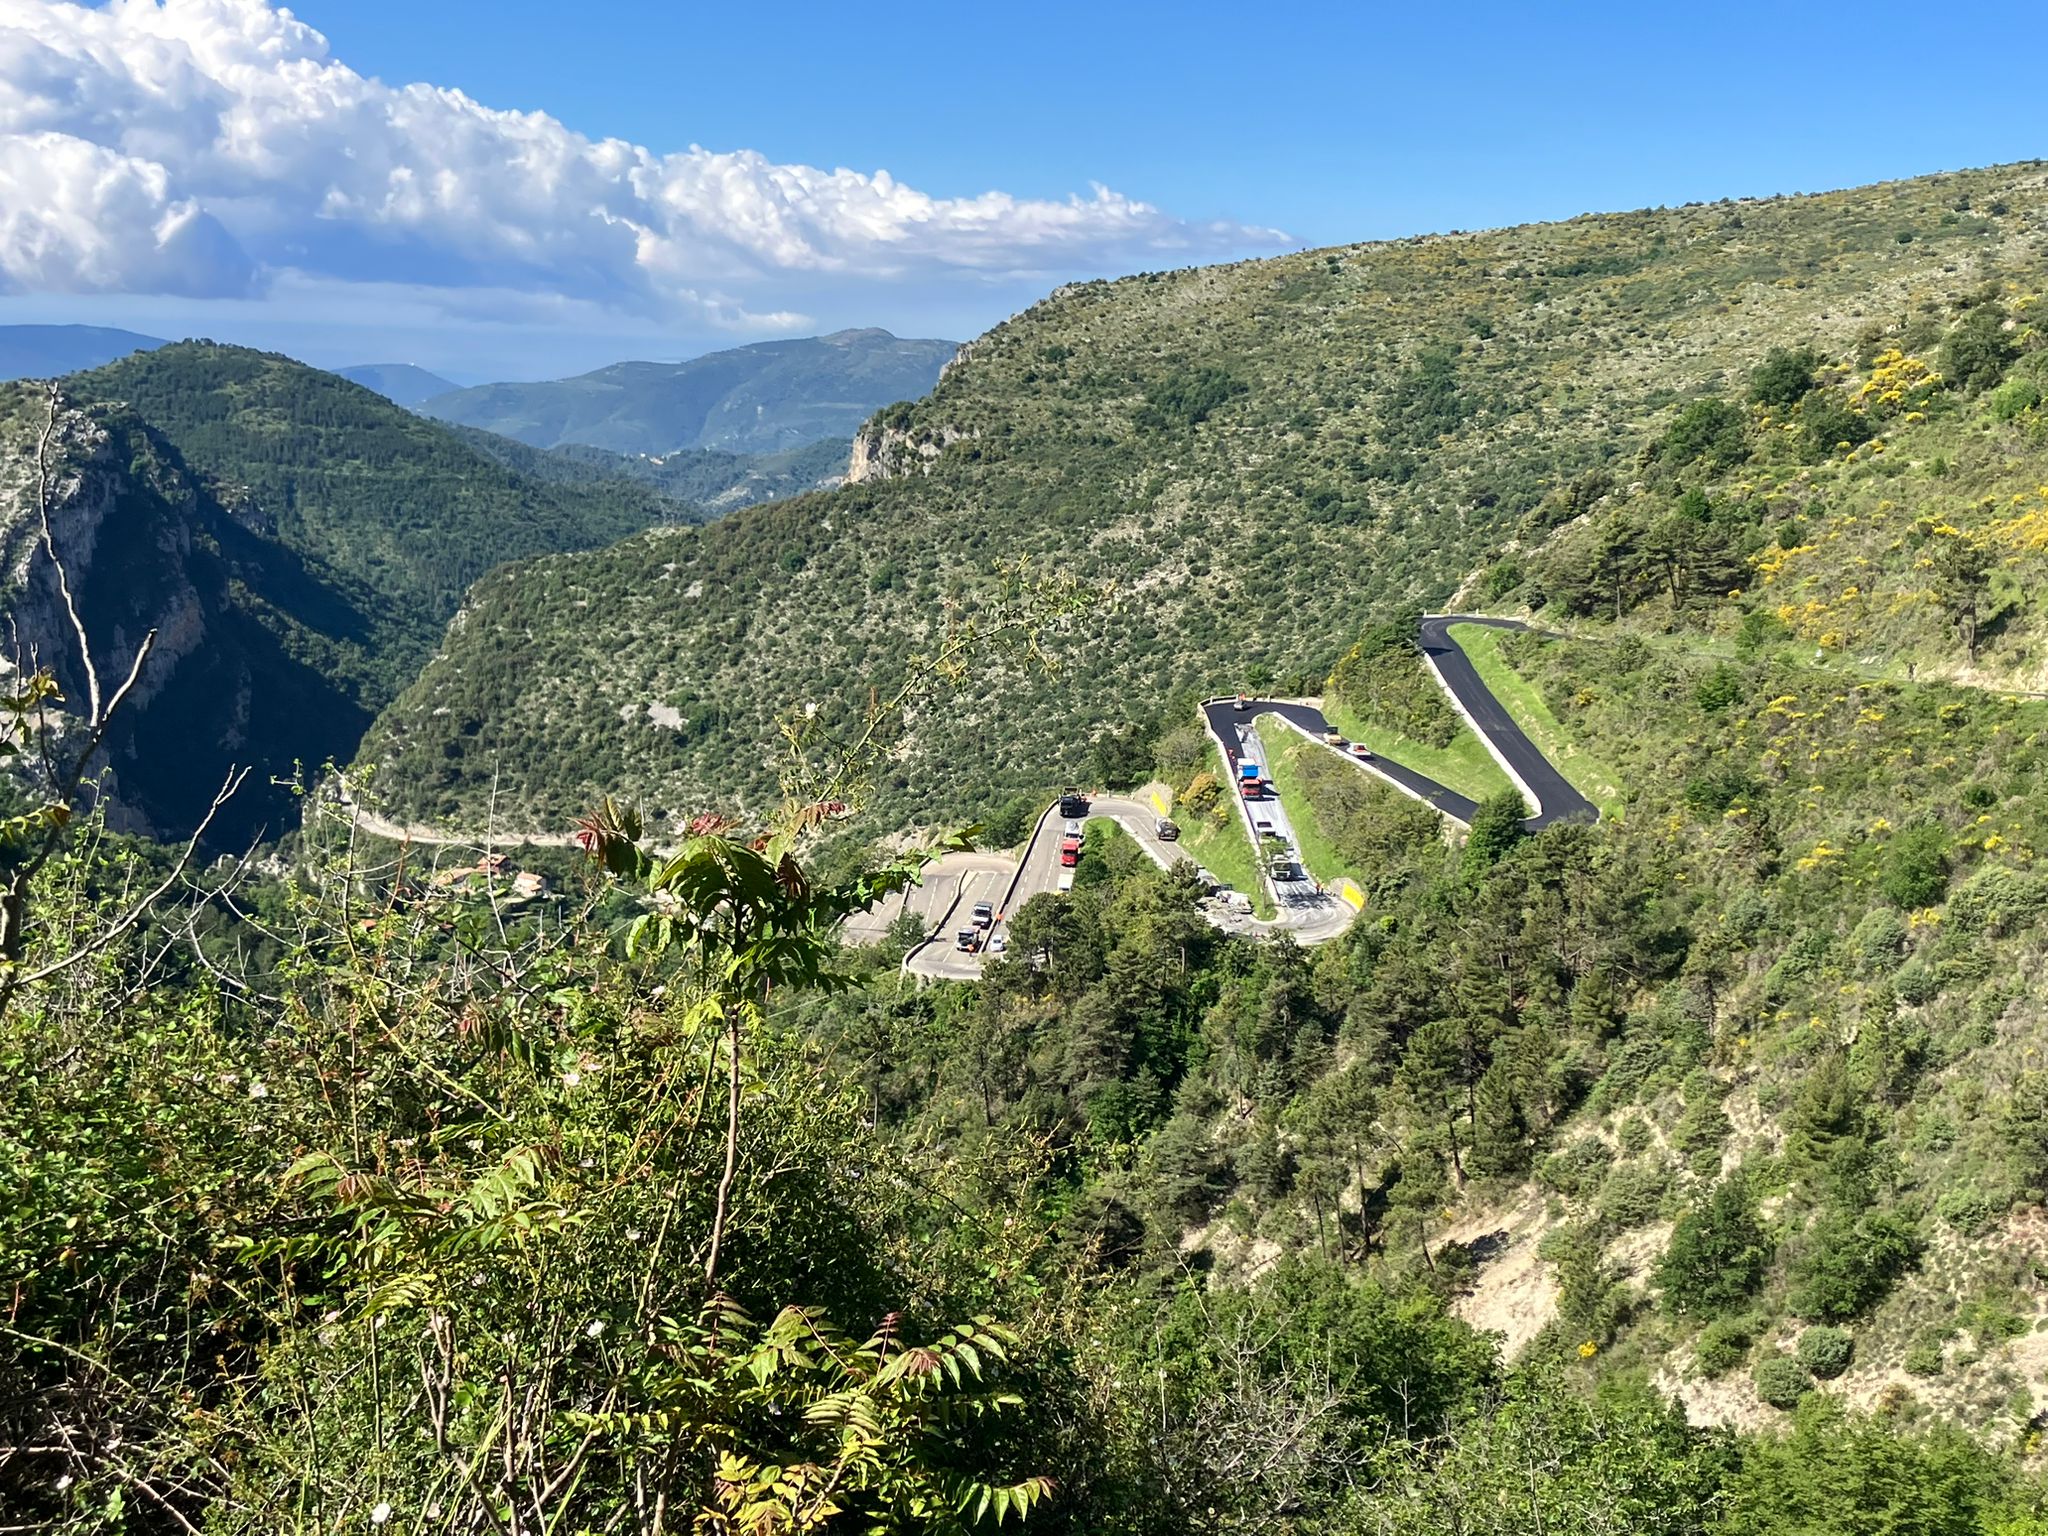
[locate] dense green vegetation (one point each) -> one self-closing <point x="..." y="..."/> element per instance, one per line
<point x="1677" y="1174"/>
<point x="765" y="398"/>
<point x="1405" y="409"/>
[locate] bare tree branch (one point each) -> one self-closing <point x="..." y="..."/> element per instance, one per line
<point x="49" y="433"/>
<point x="135" y="913"/>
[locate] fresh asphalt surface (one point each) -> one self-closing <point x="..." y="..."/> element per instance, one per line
<point x="1555" y="798"/>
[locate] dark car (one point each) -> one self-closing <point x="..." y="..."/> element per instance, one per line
<point x="1165" y="830"/>
<point x="968" y="939"/>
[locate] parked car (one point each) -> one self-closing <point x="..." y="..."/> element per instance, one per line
<point x="1165" y="830"/>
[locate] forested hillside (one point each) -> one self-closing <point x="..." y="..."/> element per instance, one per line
<point x="702" y="483"/>
<point x="1680" y="1174"/>
<point x="299" y="541"/>
<point x="1255" y="460"/>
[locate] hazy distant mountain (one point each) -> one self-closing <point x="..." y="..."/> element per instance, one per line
<point x="756" y="399"/>
<point x="46" y="351"/>
<point x="401" y="383"/>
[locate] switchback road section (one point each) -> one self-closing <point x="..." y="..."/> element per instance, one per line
<point x="1548" y="792"/>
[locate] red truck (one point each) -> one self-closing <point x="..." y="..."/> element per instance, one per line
<point x="1070" y="846"/>
<point x="1249" y="784"/>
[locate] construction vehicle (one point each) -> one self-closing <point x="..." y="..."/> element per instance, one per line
<point x="1249" y="784"/>
<point x="968" y="940"/>
<point x="1333" y="738"/>
<point x="1073" y="804"/>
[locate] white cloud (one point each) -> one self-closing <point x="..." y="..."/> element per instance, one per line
<point x="201" y="147"/>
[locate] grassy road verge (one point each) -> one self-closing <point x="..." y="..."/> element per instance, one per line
<point x="1587" y="774"/>
<point x="1465" y="765"/>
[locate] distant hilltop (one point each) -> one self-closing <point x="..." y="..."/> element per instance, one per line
<point x="763" y="398"/>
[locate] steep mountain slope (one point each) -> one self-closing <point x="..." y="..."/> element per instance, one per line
<point x="763" y="398"/>
<point x="367" y="494"/>
<point x="47" y="351"/>
<point x="299" y="541"/>
<point x="255" y="646"/>
<point x="401" y="383"/>
<point x="1259" y="457"/>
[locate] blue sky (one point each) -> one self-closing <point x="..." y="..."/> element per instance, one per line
<point x="1332" y="121"/>
<point x="392" y="227"/>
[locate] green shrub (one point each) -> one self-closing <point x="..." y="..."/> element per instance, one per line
<point x="1717" y="1255"/>
<point x="1784" y="377"/>
<point x="1916" y="866"/>
<point x="1723" y="1345"/>
<point x="1826" y="1352"/>
<point x="2014" y="398"/>
<point x="1711" y="430"/>
<point x="1829" y="423"/>
<point x="1923" y="1359"/>
<point x="1848" y="1261"/>
<point x="1634" y="1195"/>
<point x="1718" y="689"/>
<point x="1879" y="939"/>
<point x="1978" y="351"/>
<point x="1969" y="1209"/>
<point x="1577" y="1170"/>
<point x="1916" y="984"/>
<point x="1997" y="901"/>
<point x="1781" y="1381"/>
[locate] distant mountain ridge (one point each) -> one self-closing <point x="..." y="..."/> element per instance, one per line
<point x="401" y="383"/>
<point x="49" y="351"/>
<point x="764" y="398"/>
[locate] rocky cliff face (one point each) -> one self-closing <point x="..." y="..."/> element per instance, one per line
<point x="146" y="548"/>
<point x="884" y="452"/>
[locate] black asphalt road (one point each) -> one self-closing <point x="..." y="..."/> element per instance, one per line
<point x="1224" y="718"/>
<point x="1556" y="800"/>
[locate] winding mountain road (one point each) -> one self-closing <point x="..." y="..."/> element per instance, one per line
<point x="1305" y="908"/>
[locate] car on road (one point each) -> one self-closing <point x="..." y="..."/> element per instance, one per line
<point x="1242" y="704"/>
<point x="968" y="940"/>
<point x="998" y="944"/>
<point x="1360" y="749"/>
<point x="1264" y="824"/>
<point x="1165" y="830"/>
<point x="984" y="914"/>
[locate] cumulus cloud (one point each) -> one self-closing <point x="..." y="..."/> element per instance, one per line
<point x="200" y="147"/>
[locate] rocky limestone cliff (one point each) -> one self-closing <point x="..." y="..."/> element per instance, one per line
<point x="887" y="452"/>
